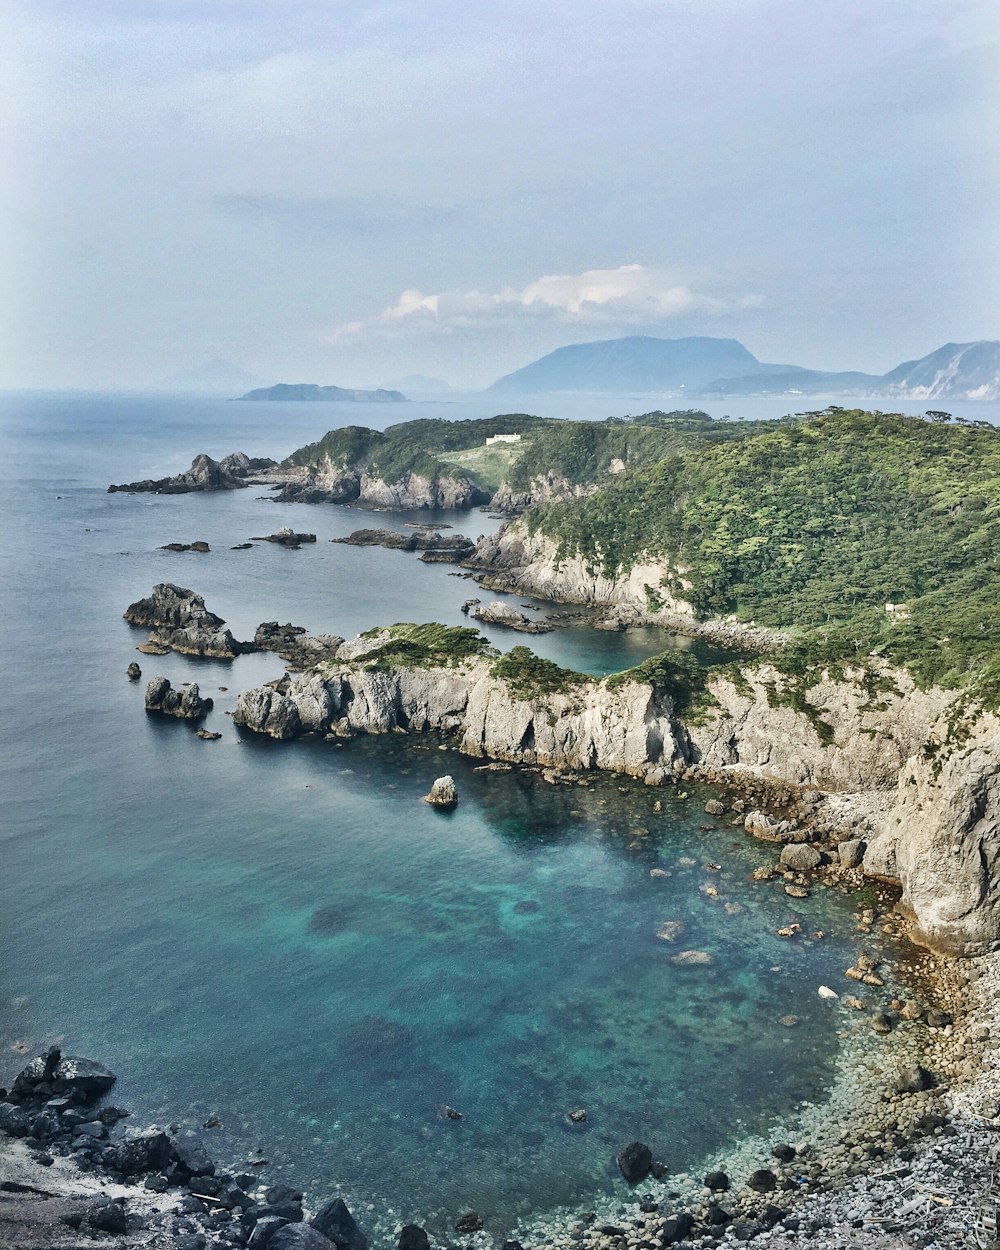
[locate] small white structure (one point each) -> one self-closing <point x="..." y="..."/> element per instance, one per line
<point x="503" y="438"/>
<point x="898" y="611"/>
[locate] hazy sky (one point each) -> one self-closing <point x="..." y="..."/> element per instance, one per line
<point x="352" y="190"/>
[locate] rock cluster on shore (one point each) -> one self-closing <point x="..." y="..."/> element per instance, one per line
<point x="232" y="472"/>
<point x="165" y="1183"/>
<point x="187" y="703"/>
<point x="435" y="548"/>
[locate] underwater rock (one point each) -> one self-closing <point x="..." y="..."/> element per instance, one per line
<point x="471" y="1222"/>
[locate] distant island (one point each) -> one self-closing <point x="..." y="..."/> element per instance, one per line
<point x="311" y="392"/>
<point x="724" y="368"/>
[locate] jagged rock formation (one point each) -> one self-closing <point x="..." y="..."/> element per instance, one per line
<point x="232" y="472"/>
<point x="177" y="618"/>
<point x="186" y="704"/>
<point x="443" y="793"/>
<point x="286" y="537"/>
<point x="294" y="644"/>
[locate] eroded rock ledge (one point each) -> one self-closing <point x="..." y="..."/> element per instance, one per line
<point x="232" y="472"/>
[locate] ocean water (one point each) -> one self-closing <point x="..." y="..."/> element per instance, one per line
<point x="285" y="937"/>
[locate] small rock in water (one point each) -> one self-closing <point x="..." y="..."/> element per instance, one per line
<point x="470" y="1222"/>
<point x="635" y="1162"/>
<point x="796" y="891"/>
<point x="783" y="1152"/>
<point x="717" y="1182"/>
<point x="450" y="1113"/>
<point x="443" y="793"/>
<point x="789" y="1021"/>
<point x="577" y="1116"/>
<point x="208" y="735"/>
<point x="824" y="991"/>
<point x="134" y="671"/>
<point x="714" y="808"/>
<point x="670" y="931"/>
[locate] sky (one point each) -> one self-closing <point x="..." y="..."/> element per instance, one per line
<point x="350" y="191"/>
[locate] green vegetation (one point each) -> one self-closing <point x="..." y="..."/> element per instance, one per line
<point x="426" y="646"/>
<point x="528" y="676"/>
<point x="680" y="674"/>
<point x="813" y="525"/>
<point x="486" y="466"/>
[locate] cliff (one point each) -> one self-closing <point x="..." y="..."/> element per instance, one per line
<point x="857" y="741"/>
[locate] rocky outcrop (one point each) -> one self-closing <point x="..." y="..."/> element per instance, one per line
<point x="544" y="488"/>
<point x="286" y="537"/>
<point x="232" y="472"/>
<point x="849" y="733"/>
<point x="328" y="482"/>
<point x="445" y="547"/>
<point x="941" y="837"/>
<point x="294" y="644"/>
<point x="187" y="703"/>
<point x="178" y="619"/>
<point x="499" y="613"/>
<point x="443" y="793"/>
<point x="625" y="729"/>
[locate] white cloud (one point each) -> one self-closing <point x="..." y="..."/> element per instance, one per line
<point x="631" y="295"/>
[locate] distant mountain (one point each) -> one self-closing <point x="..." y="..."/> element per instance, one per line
<point x="311" y="392"/>
<point x="632" y="364"/>
<point x="421" y="384"/>
<point x="214" y="376"/>
<point x="955" y="371"/>
<point x="722" y="368"/>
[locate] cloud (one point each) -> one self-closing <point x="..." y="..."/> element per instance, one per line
<point x="631" y="295"/>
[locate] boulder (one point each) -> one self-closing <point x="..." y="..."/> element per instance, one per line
<point x="717" y="1182"/>
<point x="443" y="793"/>
<point x="143" y="1152"/>
<point x="715" y="808"/>
<point x="186" y="704"/>
<point x="265" y="711"/>
<point x="191" y="1156"/>
<point x="635" y="1162"/>
<point x="178" y="619"/>
<point x="337" y="1224"/>
<point x="134" y="671"/>
<point x="299" y="1237"/>
<point x="763" y="1181"/>
<point x="106" y="1217"/>
<point x="676" y="1228"/>
<point x="413" y="1237"/>
<point x="914" y="1080"/>
<point x="851" y="853"/>
<point x="800" y="856"/>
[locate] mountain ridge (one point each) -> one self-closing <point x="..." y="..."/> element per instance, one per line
<point x="718" y="368"/>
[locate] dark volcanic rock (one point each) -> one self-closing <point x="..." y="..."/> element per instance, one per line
<point x="336" y="1222"/>
<point x="413" y="1237"/>
<point x="299" y="1237"/>
<point x="763" y="1181"/>
<point x="77" y="1080"/>
<point x="187" y="704"/>
<point x="914" y="1080"/>
<point x="676" y="1228"/>
<point x="470" y="1222"/>
<point x="285" y="537"/>
<point x="198" y="545"/>
<point x="144" y="1152"/>
<point x="718" y="1182"/>
<point x="230" y="473"/>
<point x="106" y="1217"/>
<point x="635" y="1162"/>
<point x="191" y="1156"/>
<point x="134" y="671"/>
<point x="177" y="618"/>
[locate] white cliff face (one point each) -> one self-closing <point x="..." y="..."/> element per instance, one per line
<point x="625" y="729"/>
<point x="941" y="838"/>
<point x="531" y="563"/>
<point x="855" y="737"/>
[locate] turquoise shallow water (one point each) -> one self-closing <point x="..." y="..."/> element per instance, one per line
<point x="286" y="937"/>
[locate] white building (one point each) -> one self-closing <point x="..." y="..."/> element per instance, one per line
<point x="503" y="438"/>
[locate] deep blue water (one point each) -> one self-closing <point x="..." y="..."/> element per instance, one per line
<point x="285" y="936"/>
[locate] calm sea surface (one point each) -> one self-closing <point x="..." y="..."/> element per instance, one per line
<point x="283" y="935"/>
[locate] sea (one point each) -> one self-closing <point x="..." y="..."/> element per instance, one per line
<point x="282" y="939"/>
